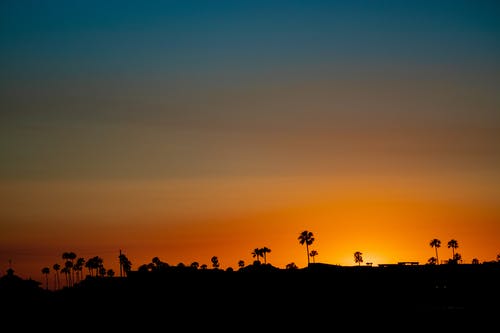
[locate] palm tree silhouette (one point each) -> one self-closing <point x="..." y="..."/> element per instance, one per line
<point x="257" y="253"/>
<point x="57" y="281"/>
<point x="78" y="268"/>
<point x="313" y="254"/>
<point x="436" y="243"/>
<point x="358" y="257"/>
<point x="125" y="264"/>
<point x="265" y="250"/>
<point x="306" y="237"/>
<point x="453" y="244"/>
<point x="241" y="263"/>
<point x="46" y="272"/>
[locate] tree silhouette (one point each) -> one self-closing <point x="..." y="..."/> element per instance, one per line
<point x="78" y="267"/>
<point x="195" y="265"/>
<point x="125" y="264"/>
<point x="215" y="262"/>
<point x="313" y="254"/>
<point x="57" y="281"/>
<point x="306" y="237"/>
<point x="257" y="253"/>
<point x="453" y="244"/>
<point x="436" y="243"/>
<point x="264" y="251"/>
<point x="46" y="271"/>
<point x="241" y="263"/>
<point x="291" y="266"/>
<point x="69" y="267"/>
<point x="432" y="261"/>
<point x="358" y="257"/>
<point x="110" y="272"/>
<point x="475" y="261"/>
<point x="65" y="270"/>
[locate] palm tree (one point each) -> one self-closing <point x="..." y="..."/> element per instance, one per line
<point x="306" y="237"/>
<point x="125" y="264"/>
<point x="313" y="254"/>
<point x="358" y="258"/>
<point x="57" y="281"/>
<point x="436" y="243"/>
<point x="46" y="272"/>
<point x="265" y="250"/>
<point x="453" y="244"/>
<point x="257" y="253"/>
<point x="69" y="266"/>
<point x="241" y="263"/>
<point x="65" y="270"/>
<point x="78" y="268"/>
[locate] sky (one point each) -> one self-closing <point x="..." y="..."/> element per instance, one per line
<point x="190" y="129"/>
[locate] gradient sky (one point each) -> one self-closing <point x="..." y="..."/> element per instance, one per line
<point x="188" y="129"/>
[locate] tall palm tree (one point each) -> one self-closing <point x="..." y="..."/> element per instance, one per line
<point x="65" y="270"/>
<point x="436" y="243"/>
<point x="257" y="253"/>
<point x="265" y="250"/>
<point x="125" y="264"/>
<point x="46" y="272"/>
<point x="57" y="280"/>
<point x="78" y="268"/>
<point x="313" y="254"/>
<point x="453" y="244"/>
<point x="358" y="257"/>
<point x="69" y="267"/>
<point x="306" y="237"/>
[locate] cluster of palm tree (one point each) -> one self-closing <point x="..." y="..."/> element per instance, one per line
<point x="261" y="252"/>
<point x="73" y="265"/>
<point x="453" y="245"/>
<point x="72" y="269"/>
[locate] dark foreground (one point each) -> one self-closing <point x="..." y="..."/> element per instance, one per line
<point x="260" y="298"/>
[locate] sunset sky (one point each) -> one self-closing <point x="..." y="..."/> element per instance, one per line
<point x="188" y="129"/>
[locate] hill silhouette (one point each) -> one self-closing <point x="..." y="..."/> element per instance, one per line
<point x="256" y="295"/>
